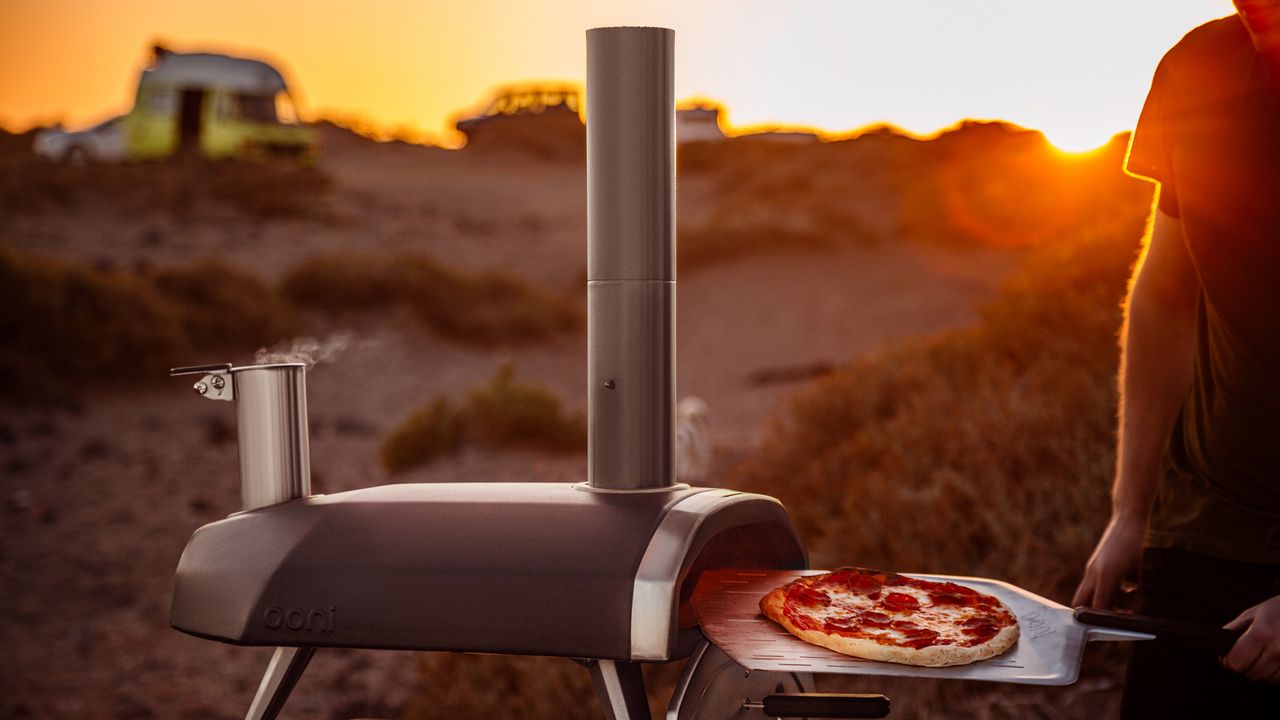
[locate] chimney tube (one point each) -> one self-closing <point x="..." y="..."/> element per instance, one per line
<point x="631" y="278"/>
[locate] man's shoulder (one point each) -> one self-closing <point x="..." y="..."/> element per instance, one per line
<point x="1213" y="40"/>
<point x="1210" y="61"/>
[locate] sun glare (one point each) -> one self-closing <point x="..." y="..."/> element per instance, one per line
<point x="1074" y="143"/>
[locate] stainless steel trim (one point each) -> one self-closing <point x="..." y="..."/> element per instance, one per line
<point x="620" y="687"/>
<point x="586" y="487"/>
<point x="652" y="604"/>
<point x="286" y="666"/>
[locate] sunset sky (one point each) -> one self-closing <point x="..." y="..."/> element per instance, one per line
<point x="1077" y="70"/>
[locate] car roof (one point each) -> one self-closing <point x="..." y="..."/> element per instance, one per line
<point x="210" y="70"/>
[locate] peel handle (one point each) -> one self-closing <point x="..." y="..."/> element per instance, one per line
<point x="1201" y="637"/>
<point x="825" y="705"/>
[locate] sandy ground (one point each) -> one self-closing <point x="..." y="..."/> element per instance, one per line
<point x="99" y="500"/>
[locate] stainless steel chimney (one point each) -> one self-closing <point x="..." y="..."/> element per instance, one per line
<point x="631" y="267"/>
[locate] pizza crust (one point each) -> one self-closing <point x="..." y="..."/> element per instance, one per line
<point x="932" y="656"/>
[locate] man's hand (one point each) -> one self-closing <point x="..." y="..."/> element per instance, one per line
<point x="1114" y="560"/>
<point x="1256" y="654"/>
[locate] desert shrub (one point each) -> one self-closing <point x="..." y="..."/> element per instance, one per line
<point x="483" y="309"/>
<point x="501" y="413"/>
<point x="987" y="451"/>
<point x="339" y="283"/>
<point x="222" y="306"/>
<point x="509" y="412"/>
<point x="68" y="326"/>
<point x="992" y="445"/>
<point x="65" y="325"/>
<point x="434" y="431"/>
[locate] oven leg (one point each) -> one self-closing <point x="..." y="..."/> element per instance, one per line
<point x="286" y="666"/>
<point x="620" y="687"/>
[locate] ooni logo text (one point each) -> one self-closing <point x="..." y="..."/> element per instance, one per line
<point x="313" y="620"/>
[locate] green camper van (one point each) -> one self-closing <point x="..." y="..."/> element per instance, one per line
<point x="214" y="105"/>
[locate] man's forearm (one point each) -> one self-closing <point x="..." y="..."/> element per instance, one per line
<point x="1156" y="367"/>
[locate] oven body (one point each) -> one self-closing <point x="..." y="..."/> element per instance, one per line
<point x="521" y="568"/>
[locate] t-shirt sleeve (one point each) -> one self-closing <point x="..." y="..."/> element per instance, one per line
<point x="1148" y="155"/>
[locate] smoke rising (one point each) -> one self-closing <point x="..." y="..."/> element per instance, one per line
<point x="307" y="350"/>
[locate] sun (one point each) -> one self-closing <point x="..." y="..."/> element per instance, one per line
<point x="1075" y="141"/>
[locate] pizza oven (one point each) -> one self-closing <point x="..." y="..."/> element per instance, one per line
<point x="527" y="568"/>
<point x="629" y="567"/>
<point x="601" y="571"/>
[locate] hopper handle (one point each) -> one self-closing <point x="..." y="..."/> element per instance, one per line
<point x="825" y="705"/>
<point x="1201" y="637"/>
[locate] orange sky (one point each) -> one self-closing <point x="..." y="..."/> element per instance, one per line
<point x="1077" y="70"/>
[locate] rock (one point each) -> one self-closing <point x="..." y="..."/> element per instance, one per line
<point x="21" y="500"/>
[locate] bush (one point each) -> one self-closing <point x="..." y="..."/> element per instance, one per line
<point x="483" y="309"/>
<point x="68" y="326"/>
<point x="432" y="432"/>
<point x="223" y="306"/>
<point x="508" y="412"/>
<point x="987" y="451"/>
<point x="502" y="413"/>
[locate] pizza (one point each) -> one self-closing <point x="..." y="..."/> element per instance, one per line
<point x="893" y="618"/>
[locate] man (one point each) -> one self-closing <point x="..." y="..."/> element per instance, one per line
<point x="1196" y="500"/>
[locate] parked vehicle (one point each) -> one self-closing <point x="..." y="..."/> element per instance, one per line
<point x="213" y="105"/>
<point x="104" y="142"/>
<point x="531" y="99"/>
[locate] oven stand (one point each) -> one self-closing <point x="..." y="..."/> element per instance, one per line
<point x="620" y="687"/>
<point x="286" y="666"/>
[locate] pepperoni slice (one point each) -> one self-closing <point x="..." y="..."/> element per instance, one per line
<point x="901" y="601"/>
<point x="805" y="595"/>
<point x="921" y="638"/>
<point x="875" y="618"/>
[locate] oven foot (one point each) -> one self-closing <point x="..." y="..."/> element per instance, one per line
<point x="620" y="687"/>
<point x="287" y="665"/>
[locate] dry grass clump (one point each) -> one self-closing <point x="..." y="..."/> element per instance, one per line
<point x="186" y="188"/>
<point x="502" y="413"/>
<point x="220" y="305"/>
<point x="509" y="412"/>
<point x="483" y="309"/>
<point x="984" y="452"/>
<point x="67" y="326"/>
<point x="431" y="432"/>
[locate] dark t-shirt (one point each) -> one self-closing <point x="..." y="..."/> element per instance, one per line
<point x="1210" y="134"/>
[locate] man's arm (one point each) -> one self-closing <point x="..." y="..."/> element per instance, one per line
<point x="1157" y="352"/>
